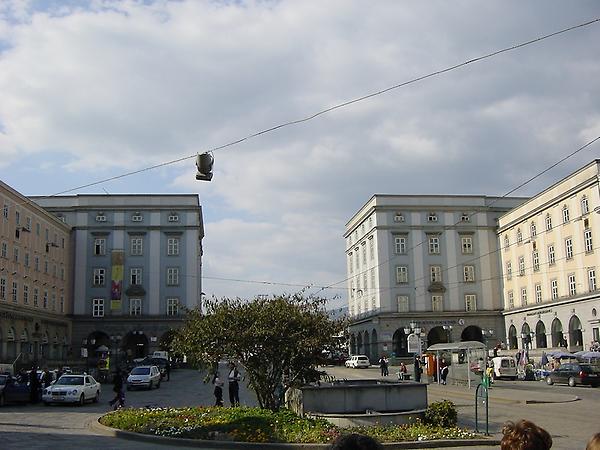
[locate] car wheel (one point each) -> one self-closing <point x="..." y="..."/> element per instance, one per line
<point x="572" y="382"/>
<point x="97" y="397"/>
<point x="549" y="381"/>
<point x="82" y="400"/>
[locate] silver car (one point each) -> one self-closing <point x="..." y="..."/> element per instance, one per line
<point x="143" y="376"/>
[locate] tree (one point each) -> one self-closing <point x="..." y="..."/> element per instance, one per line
<point x="279" y="341"/>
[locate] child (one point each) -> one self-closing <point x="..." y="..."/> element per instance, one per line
<point x="218" y="391"/>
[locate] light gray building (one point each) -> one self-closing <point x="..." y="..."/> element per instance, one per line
<point x="136" y="265"/>
<point x="431" y="261"/>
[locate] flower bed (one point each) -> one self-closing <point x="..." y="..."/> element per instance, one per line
<point x="259" y="425"/>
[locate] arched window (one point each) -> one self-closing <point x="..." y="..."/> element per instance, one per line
<point x="558" y="339"/>
<point x="585" y="206"/>
<point x="519" y="236"/>
<point x="540" y="335"/>
<point x="533" y="229"/>
<point x="512" y="338"/>
<point x="575" y="334"/>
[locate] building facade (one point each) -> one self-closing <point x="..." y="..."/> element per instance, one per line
<point x="429" y="261"/>
<point x="35" y="283"/>
<point x="137" y="265"/>
<point x="550" y="262"/>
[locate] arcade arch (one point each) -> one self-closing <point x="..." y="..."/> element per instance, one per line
<point x="540" y="335"/>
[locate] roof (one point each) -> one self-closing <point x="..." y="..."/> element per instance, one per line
<point x="463" y="345"/>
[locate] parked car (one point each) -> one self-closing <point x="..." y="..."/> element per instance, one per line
<point x="574" y="374"/>
<point x="144" y="376"/>
<point x="72" y="389"/>
<point x="504" y="367"/>
<point x="161" y="363"/>
<point x="357" y="361"/>
<point x="11" y="391"/>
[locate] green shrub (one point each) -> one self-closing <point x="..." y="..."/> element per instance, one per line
<point x="441" y="414"/>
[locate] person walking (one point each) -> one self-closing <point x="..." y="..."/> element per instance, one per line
<point x="119" y="399"/>
<point x="383" y="365"/>
<point x="34" y="386"/>
<point x="218" y="392"/>
<point x="443" y="371"/>
<point x="233" y="385"/>
<point x="418" y="370"/>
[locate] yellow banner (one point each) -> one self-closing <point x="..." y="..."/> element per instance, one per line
<point x="116" y="289"/>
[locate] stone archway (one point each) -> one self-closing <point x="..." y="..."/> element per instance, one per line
<point x="400" y="343"/>
<point x="135" y="344"/>
<point x="367" y="342"/>
<point x="437" y="335"/>
<point x="575" y="334"/>
<point x="526" y="335"/>
<point x="472" y="333"/>
<point x="557" y="334"/>
<point x="513" y="343"/>
<point x="540" y="335"/>
<point x="359" y="344"/>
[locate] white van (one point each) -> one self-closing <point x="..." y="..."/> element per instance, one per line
<point x="504" y="367"/>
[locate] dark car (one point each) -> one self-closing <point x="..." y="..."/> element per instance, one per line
<point x="11" y="391"/>
<point x="574" y="374"/>
<point x="161" y="363"/>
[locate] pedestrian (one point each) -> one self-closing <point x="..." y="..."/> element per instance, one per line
<point x="34" y="386"/>
<point x="59" y="373"/>
<point x="443" y="371"/>
<point x="594" y="442"/>
<point x="418" y="369"/>
<point x="119" y="399"/>
<point x="233" y="383"/>
<point x="355" y="441"/>
<point x="46" y="378"/>
<point x="383" y="365"/>
<point x="402" y="371"/>
<point x="218" y="392"/>
<point x="524" y="435"/>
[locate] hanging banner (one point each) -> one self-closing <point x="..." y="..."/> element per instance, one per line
<point x="116" y="286"/>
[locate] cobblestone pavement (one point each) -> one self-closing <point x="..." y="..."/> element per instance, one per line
<point x="65" y="427"/>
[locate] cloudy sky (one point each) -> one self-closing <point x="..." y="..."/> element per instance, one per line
<point x="94" y="89"/>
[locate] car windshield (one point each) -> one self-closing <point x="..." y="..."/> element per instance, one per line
<point x="70" y="381"/>
<point x="140" y="371"/>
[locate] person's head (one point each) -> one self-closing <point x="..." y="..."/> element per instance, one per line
<point x="594" y="442"/>
<point x="524" y="435"/>
<point x="355" y="441"/>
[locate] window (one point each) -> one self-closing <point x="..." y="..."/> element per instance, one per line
<point x="350" y="265"/>
<point x="402" y="274"/>
<point x="511" y="300"/>
<point x="465" y="217"/>
<point x="587" y="238"/>
<point x="538" y="293"/>
<point x="554" y="289"/>
<point x="469" y="274"/>
<point x="470" y="302"/>
<point x="400" y="244"/>
<point x="173" y="217"/>
<point x="585" y="206"/>
<point x="519" y="236"/>
<point x="99" y="276"/>
<point x="535" y="256"/>
<point x="173" y="246"/>
<point x="403" y="305"/>
<point x="36" y="296"/>
<point x="4" y="251"/>
<point x="572" y="285"/>
<point x="100" y="217"/>
<point x="136" y="248"/>
<point x="36" y="263"/>
<point x="2" y="288"/>
<point x="45" y="266"/>
<point x="548" y="222"/>
<point x="364" y="254"/>
<point x="172" y="276"/>
<point x="26" y="259"/>
<point x="523" y="296"/>
<point x="432" y="217"/>
<point x="17" y="218"/>
<point x="508" y="270"/>
<point x="5" y="211"/>
<point x="135" y="306"/>
<point x="521" y="266"/>
<point x="45" y="300"/>
<point x="371" y="248"/>
<point x="53" y="301"/>
<point x="372" y="278"/>
<point x="15" y="291"/>
<point x="467" y="245"/>
<point x="25" y="294"/>
<point x="591" y="279"/>
<point x="135" y="275"/>
<point x="62" y="273"/>
<point x="506" y="242"/>
<point x="565" y="212"/>
<point x="434" y="245"/>
<point x="172" y="306"/>
<point x="551" y="256"/>
<point x="137" y="217"/>
<point x="532" y="229"/>
<point x="435" y="274"/>
<point x="62" y="303"/>
<point x="569" y="248"/>
<point x="398" y="217"/>
<point x="100" y="246"/>
<point x="37" y="229"/>
<point x="437" y="303"/>
<point x="16" y="254"/>
<point x="98" y="307"/>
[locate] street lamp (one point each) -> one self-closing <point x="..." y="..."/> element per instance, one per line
<point x="448" y="329"/>
<point x="527" y="339"/>
<point x="413" y="331"/>
<point x="487" y="335"/>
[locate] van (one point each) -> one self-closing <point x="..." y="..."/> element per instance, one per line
<point x="357" y="361"/>
<point x="160" y="354"/>
<point x="504" y="367"/>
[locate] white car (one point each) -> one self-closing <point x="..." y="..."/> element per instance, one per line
<point x="143" y="376"/>
<point x="357" y="361"/>
<point x="72" y="389"/>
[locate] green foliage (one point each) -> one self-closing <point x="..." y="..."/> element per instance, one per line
<point x="441" y="414"/>
<point x="261" y="425"/>
<point x="278" y="341"/>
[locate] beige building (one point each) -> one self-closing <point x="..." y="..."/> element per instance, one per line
<point x="550" y="257"/>
<point x="35" y="283"/>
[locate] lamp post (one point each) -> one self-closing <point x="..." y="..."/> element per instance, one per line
<point x="487" y="335"/>
<point x="413" y="331"/>
<point x="448" y="329"/>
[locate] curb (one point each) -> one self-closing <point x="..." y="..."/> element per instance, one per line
<point x="96" y="426"/>
<point x="540" y="402"/>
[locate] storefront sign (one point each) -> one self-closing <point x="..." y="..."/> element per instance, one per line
<point x="543" y="311"/>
